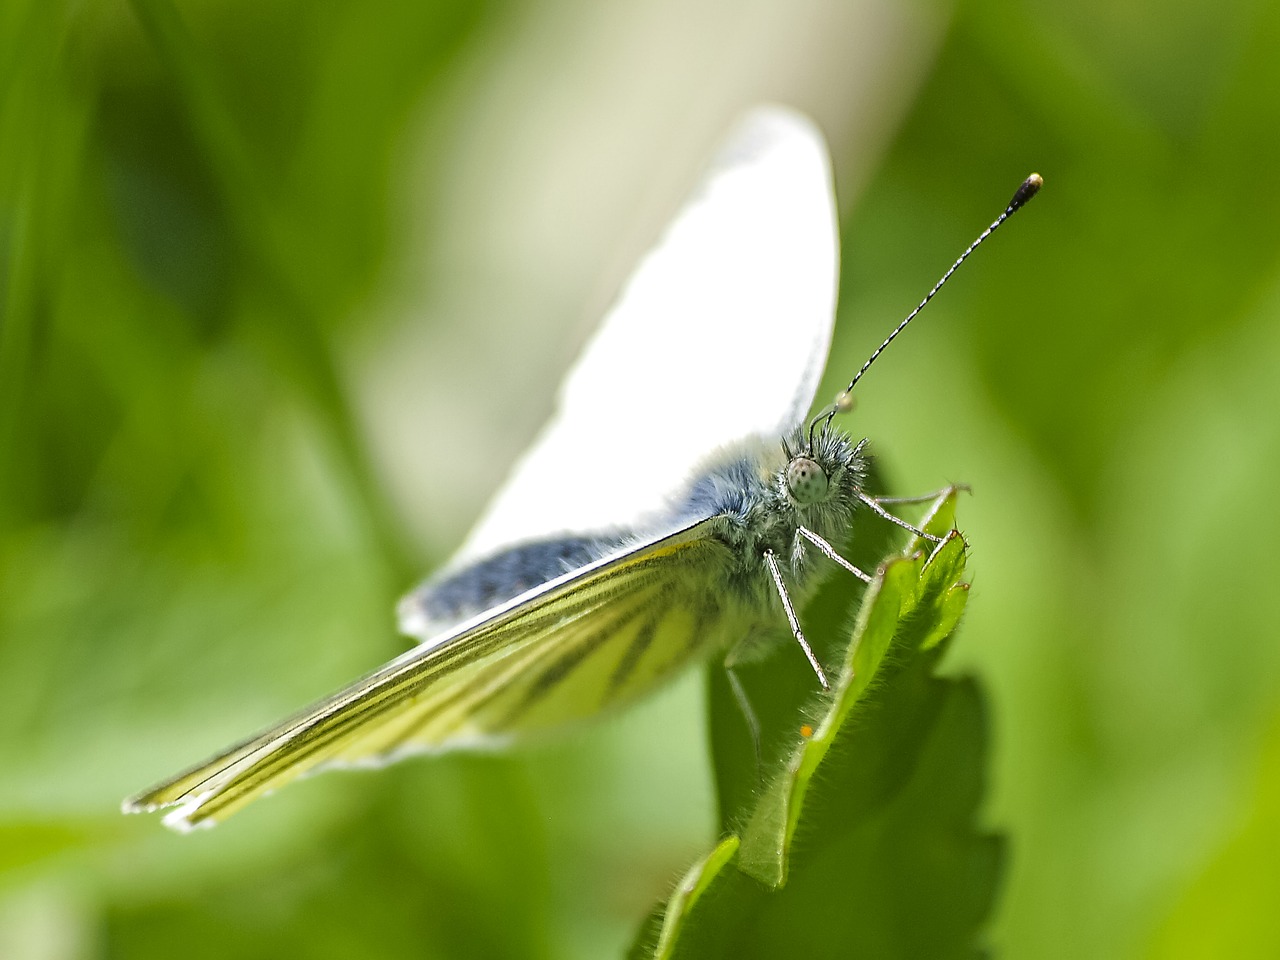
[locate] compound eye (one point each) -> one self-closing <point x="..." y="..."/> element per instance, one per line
<point x="806" y="480"/>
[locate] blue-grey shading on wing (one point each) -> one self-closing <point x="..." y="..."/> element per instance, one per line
<point x="446" y="600"/>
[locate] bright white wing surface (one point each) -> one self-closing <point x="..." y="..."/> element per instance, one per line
<point x="720" y="334"/>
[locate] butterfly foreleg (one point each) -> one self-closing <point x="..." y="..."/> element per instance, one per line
<point x="771" y="563"/>
<point x="923" y="497"/>
<point x="874" y="504"/>
<point x="830" y="551"/>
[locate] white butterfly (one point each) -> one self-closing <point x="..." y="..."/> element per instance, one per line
<point x="675" y="505"/>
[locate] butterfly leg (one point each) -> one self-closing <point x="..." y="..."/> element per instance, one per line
<point x="874" y="504"/>
<point x="924" y="497"/>
<point x="830" y="552"/>
<point x="744" y="705"/>
<point x="771" y="562"/>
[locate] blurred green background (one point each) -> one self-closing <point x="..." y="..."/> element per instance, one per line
<point x="285" y="287"/>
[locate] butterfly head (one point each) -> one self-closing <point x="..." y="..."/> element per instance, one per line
<point x="822" y="470"/>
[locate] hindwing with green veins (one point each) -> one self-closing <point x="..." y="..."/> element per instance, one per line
<point x="590" y="640"/>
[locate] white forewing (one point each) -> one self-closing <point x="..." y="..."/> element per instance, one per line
<point x="720" y="334"/>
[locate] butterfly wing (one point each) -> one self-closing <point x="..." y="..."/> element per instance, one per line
<point x="586" y="641"/>
<point x="721" y="334"/>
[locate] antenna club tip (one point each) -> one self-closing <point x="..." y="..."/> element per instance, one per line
<point x="844" y="402"/>
<point x="1029" y="188"/>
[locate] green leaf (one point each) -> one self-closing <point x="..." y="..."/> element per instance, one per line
<point x="910" y="599"/>
<point x="869" y="848"/>
<point x="668" y="918"/>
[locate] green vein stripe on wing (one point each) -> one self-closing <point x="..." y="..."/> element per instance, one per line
<point x="499" y="652"/>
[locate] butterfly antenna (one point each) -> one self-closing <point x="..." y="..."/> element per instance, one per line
<point x="1029" y="188"/>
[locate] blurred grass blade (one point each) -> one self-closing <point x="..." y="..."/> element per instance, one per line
<point x="293" y="323"/>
